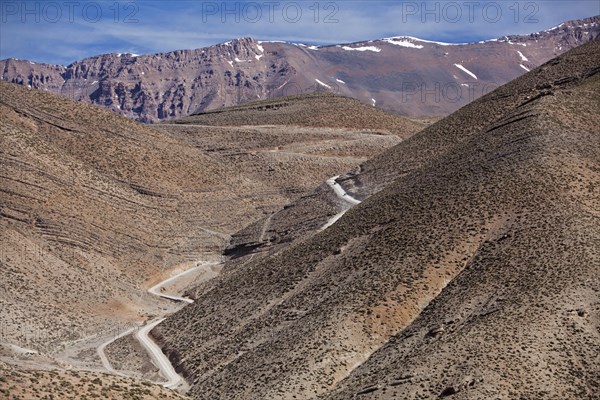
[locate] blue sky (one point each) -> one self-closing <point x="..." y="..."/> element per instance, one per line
<point x="61" y="32"/>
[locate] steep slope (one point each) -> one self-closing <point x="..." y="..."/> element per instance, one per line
<point x="105" y="204"/>
<point x="401" y="74"/>
<point x="92" y="206"/>
<point x="95" y="208"/>
<point x="521" y="319"/>
<point x="476" y="263"/>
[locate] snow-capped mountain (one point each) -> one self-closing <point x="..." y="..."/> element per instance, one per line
<point x="401" y="74"/>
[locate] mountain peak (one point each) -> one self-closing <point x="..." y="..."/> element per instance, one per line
<point x="402" y="74"/>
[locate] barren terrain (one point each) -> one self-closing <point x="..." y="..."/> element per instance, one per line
<point x="96" y="208"/>
<point x="354" y="253"/>
<point x="24" y="384"/>
<point x="469" y="270"/>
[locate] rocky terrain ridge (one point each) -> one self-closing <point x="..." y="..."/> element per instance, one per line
<point x="404" y="75"/>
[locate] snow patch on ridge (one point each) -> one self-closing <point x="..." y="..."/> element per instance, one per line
<point x="465" y="70"/>
<point x="421" y="40"/>
<point x="261" y="49"/>
<point x="322" y="84"/>
<point x="507" y="40"/>
<point x="523" y="58"/>
<point x="554" y="27"/>
<point x="403" y="43"/>
<point x="363" y="48"/>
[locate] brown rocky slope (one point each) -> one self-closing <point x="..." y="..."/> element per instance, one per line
<point x="292" y="143"/>
<point x="471" y="271"/>
<point x="318" y="110"/>
<point x="94" y="207"/>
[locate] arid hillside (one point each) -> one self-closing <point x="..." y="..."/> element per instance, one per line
<point x="95" y="208"/>
<point x="319" y="110"/>
<point x="293" y="144"/>
<point x="470" y="269"/>
<point x="288" y="143"/>
<point x="25" y="384"/>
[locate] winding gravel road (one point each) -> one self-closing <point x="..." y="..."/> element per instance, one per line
<point x="173" y="379"/>
<point x="342" y="194"/>
<point x="102" y="354"/>
<point x="141" y="334"/>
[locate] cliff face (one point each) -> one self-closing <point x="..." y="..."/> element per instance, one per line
<point x="155" y="87"/>
<point x="401" y="74"/>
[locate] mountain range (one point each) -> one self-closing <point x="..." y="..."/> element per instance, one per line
<point x="404" y="75"/>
